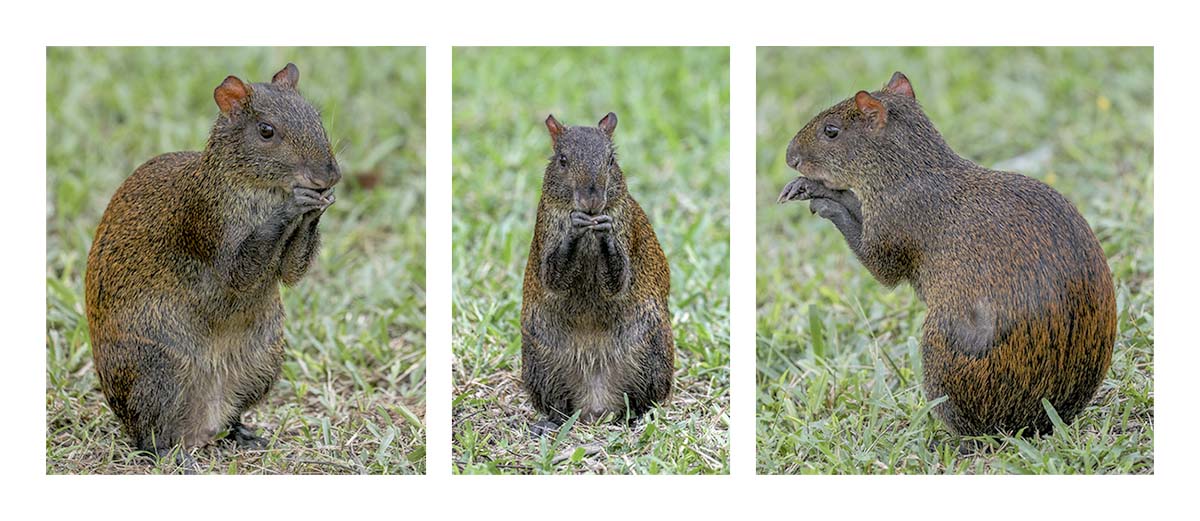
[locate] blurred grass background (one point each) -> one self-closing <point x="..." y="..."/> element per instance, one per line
<point x="838" y="352"/>
<point x="673" y="144"/>
<point x="352" y="395"/>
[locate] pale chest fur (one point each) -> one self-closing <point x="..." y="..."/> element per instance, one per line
<point x="241" y="359"/>
<point x="602" y="360"/>
<point x="598" y="352"/>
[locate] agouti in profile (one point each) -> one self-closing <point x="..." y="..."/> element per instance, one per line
<point x="183" y="276"/>
<point x="1020" y="297"/>
<point x="595" y="330"/>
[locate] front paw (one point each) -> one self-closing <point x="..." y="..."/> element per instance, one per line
<point x="826" y="208"/>
<point x="328" y="197"/>
<point x="305" y="200"/>
<point x="601" y="224"/>
<point x="803" y="188"/>
<point x="582" y="221"/>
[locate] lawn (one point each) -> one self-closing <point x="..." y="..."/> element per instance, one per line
<point x="673" y="141"/>
<point x="352" y="395"/>
<point x="838" y="358"/>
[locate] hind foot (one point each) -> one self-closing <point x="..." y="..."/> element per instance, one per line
<point x="175" y="454"/>
<point x="245" y="438"/>
<point x="542" y="428"/>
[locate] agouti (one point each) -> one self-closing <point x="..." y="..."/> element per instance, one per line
<point x="1020" y="297"/>
<point x="182" y="282"/>
<point x="595" y="328"/>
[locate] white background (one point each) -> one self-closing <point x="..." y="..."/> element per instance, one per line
<point x="28" y="28"/>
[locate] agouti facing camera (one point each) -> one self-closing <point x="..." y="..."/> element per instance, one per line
<point x="595" y="329"/>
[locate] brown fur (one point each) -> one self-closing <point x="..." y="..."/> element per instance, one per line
<point x="1021" y="301"/>
<point x="182" y="280"/>
<point x="595" y="327"/>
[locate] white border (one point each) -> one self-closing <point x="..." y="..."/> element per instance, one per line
<point x="438" y="255"/>
<point x="742" y="93"/>
<point x="615" y="22"/>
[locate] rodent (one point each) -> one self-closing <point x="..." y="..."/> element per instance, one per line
<point x="595" y="325"/>
<point x="1020" y="298"/>
<point x="182" y="282"/>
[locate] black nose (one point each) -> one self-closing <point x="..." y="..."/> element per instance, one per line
<point x="589" y="199"/>
<point x="321" y="177"/>
<point x="793" y="156"/>
<point x="332" y="173"/>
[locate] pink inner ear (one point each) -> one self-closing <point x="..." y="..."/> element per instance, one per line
<point x="230" y="94"/>
<point x="871" y="107"/>
<point x="289" y="76"/>
<point x="866" y="102"/>
<point x="899" y="85"/>
<point x="608" y="123"/>
<point x="554" y="127"/>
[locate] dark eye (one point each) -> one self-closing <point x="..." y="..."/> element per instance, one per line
<point x="831" y="131"/>
<point x="562" y="160"/>
<point x="266" y="130"/>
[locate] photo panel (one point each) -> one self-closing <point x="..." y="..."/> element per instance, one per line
<point x="591" y="260"/>
<point x="235" y="260"/>
<point x="955" y="260"/>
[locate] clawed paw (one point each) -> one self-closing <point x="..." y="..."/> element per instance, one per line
<point x="803" y="188"/>
<point x="826" y="208"/>
<point x="328" y="197"/>
<point x="595" y="223"/>
<point x="307" y="200"/>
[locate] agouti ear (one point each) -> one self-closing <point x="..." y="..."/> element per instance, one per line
<point x="872" y="108"/>
<point x="899" y="85"/>
<point x="556" y="128"/>
<point x="288" y="77"/>
<point x="609" y="123"/>
<point x="231" y="94"/>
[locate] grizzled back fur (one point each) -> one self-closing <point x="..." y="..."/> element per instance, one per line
<point x="1020" y="296"/>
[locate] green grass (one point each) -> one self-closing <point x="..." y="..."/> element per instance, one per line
<point x="673" y="137"/>
<point x="838" y="365"/>
<point x="352" y="395"/>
